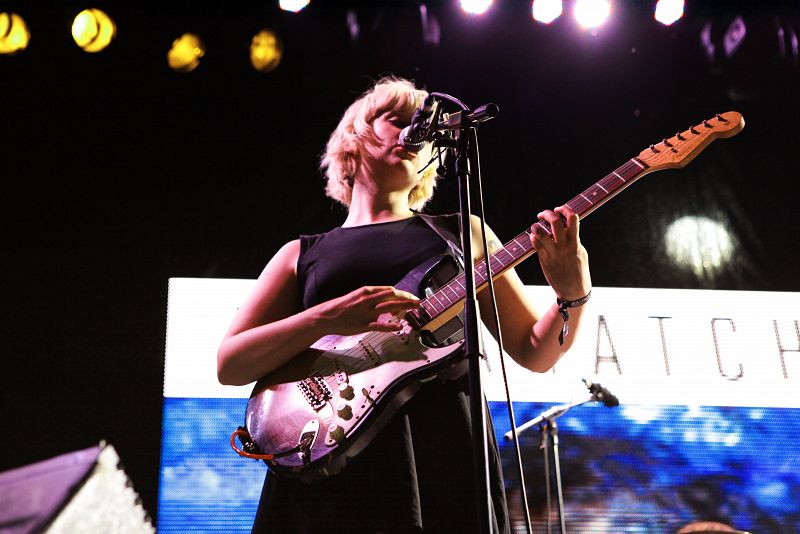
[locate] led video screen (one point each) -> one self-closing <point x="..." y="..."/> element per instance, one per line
<point x="707" y="426"/>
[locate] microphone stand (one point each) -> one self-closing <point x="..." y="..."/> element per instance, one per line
<point x="463" y="147"/>
<point x="549" y="429"/>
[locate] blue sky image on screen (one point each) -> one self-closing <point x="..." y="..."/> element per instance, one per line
<point x="635" y="468"/>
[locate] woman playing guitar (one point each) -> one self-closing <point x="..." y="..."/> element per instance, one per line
<point x="416" y="474"/>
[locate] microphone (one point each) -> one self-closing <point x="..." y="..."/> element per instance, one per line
<point x="413" y="136"/>
<point x="601" y="394"/>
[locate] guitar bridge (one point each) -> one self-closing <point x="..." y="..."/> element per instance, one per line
<point x="316" y="391"/>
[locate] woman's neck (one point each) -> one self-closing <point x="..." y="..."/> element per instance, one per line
<point x="369" y="207"/>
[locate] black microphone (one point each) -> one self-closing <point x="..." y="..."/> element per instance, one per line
<point x="601" y="394"/>
<point x="413" y="136"/>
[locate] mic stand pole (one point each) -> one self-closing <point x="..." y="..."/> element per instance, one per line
<point x="552" y="428"/>
<point x="463" y="124"/>
<point x="471" y="338"/>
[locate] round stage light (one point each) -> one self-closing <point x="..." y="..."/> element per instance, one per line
<point x="592" y="13"/>
<point x="266" y="51"/>
<point x="668" y="11"/>
<point x="93" y="30"/>
<point x="476" y="7"/>
<point x="700" y="244"/>
<point x="293" y="5"/>
<point x="14" y="34"/>
<point x="546" y="11"/>
<point x="185" y="53"/>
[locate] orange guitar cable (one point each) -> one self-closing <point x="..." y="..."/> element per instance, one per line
<point x="242" y="432"/>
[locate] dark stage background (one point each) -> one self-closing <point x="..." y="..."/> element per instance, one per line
<point x="118" y="173"/>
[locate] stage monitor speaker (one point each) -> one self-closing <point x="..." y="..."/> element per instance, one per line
<point x="82" y="491"/>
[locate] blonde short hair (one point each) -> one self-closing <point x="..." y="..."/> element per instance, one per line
<point x="341" y="157"/>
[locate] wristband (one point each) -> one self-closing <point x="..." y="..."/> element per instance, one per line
<point x="563" y="309"/>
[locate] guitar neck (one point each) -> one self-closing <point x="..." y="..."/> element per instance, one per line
<point x="444" y="300"/>
<point x="677" y="151"/>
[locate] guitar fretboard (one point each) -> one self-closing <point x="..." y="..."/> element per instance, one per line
<point x="520" y="247"/>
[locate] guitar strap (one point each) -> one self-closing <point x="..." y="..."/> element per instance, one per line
<point x="449" y="228"/>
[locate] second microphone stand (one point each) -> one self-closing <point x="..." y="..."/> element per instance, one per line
<point x="546" y="421"/>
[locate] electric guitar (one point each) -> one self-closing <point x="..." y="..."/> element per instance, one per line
<point x="313" y="414"/>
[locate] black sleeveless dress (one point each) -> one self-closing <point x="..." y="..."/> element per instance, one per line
<point x="416" y="475"/>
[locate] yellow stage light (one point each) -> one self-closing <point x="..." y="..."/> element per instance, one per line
<point x="93" y="30"/>
<point x="185" y="54"/>
<point x="266" y="51"/>
<point x="14" y="34"/>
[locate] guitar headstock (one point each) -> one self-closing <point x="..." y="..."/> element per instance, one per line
<point x="682" y="148"/>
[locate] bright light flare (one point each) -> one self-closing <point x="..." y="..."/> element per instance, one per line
<point x="592" y="13"/>
<point x="669" y="11"/>
<point x="14" y="34"/>
<point x="546" y="11"/>
<point x="293" y="5"/>
<point x="701" y="244"/>
<point x="476" y="7"/>
<point x="185" y="54"/>
<point x="93" y="30"/>
<point x="266" y="51"/>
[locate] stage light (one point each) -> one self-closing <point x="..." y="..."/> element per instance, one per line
<point x="93" y="30"/>
<point x="293" y="5"/>
<point x="185" y="54"/>
<point x="476" y="7"/>
<point x="699" y="243"/>
<point x="668" y="11"/>
<point x="14" y="34"/>
<point x="546" y="11"/>
<point x="592" y="13"/>
<point x="266" y="51"/>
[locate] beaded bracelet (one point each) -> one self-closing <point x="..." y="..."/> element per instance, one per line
<point x="563" y="306"/>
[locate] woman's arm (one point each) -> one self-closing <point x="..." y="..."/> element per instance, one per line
<point x="531" y="337"/>
<point x="270" y="328"/>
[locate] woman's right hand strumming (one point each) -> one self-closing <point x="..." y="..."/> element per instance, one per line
<point x="366" y="308"/>
<point x="270" y="329"/>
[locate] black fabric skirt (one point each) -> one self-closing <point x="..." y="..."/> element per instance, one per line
<point x="415" y="476"/>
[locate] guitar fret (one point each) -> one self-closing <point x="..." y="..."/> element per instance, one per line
<point x="456" y="288"/>
<point x="495" y="263"/>
<point x="455" y="296"/>
<point x="506" y="259"/>
<point x="618" y="176"/>
<point x="545" y="226"/>
<point x="429" y="308"/>
<point x="611" y="182"/>
<point x="525" y="245"/>
<point x="587" y="200"/>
